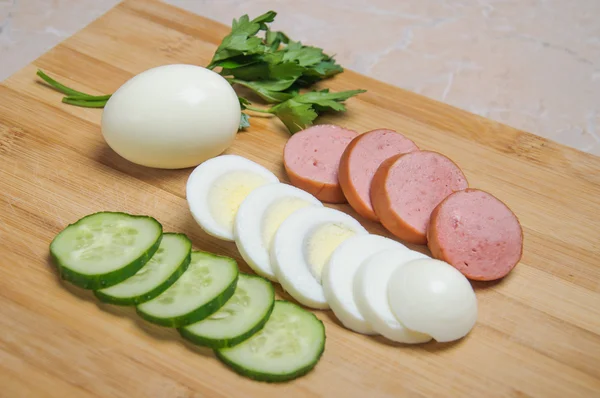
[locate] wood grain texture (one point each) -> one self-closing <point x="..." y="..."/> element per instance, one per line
<point x="538" y="333"/>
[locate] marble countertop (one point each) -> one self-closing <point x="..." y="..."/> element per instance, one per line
<point x="531" y="64"/>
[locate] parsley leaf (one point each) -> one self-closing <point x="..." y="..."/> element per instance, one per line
<point x="267" y="17"/>
<point x="300" y="111"/>
<point x="324" y="100"/>
<point x="237" y="62"/>
<point x="270" y="90"/>
<point x="274" y="39"/>
<point x="303" y="55"/>
<point x="256" y="71"/>
<point x="242" y="39"/>
<point x="285" y="70"/>
<point x="244" y="55"/>
<point x="294" y="115"/>
<point x="322" y="70"/>
<point x="244" y="121"/>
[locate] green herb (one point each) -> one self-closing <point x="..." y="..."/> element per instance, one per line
<point x="269" y="64"/>
<point x="242" y="39"/>
<point x="75" y="97"/>
<point x="84" y="103"/>
<point x="299" y="112"/>
<point x="245" y="119"/>
<point x="275" y="68"/>
<point x="274" y="39"/>
<point x="271" y="91"/>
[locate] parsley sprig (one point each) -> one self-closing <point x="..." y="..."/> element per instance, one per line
<point x="275" y="68"/>
<point x="299" y="112"/>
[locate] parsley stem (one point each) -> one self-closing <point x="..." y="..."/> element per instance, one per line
<point x="90" y="97"/>
<point x="61" y="87"/>
<point x="83" y="103"/>
<point x="251" y="108"/>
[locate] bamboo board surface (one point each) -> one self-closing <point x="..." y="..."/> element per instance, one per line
<point x="538" y="332"/>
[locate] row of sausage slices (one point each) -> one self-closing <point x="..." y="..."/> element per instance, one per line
<point x="420" y="196"/>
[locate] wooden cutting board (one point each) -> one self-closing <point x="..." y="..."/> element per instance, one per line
<point x="538" y="332"/>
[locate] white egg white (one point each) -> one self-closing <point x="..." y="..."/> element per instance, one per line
<point x="172" y="116"/>
<point x="258" y="219"/>
<point x="370" y="292"/>
<point x="432" y="297"/>
<point x="303" y="244"/>
<point x="217" y="187"/>
<point x="338" y="277"/>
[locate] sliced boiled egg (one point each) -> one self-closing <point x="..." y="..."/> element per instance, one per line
<point x="338" y="277"/>
<point x="432" y="297"/>
<point x="302" y="246"/>
<point x="259" y="217"/>
<point x="217" y="187"/>
<point x="370" y="292"/>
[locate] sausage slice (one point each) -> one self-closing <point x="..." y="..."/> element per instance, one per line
<point x="312" y="157"/>
<point x="477" y="234"/>
<point x="407" y="187"/>
<point x="360" y="161"/>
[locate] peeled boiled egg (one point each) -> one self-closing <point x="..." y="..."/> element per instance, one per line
<point x="432" y="297"/>
<point x="172" y="116"/>
<point x="302" y="246"/>
<point x="217" y="187"/>
<point x="370" y="292"/>
<point x="260" y="216"/>
<point x="338" y="277"/>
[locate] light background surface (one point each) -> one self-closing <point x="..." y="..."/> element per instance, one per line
<point x="531" y="64"/>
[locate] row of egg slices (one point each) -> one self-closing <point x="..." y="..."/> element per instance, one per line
<point x="325" y="259"/>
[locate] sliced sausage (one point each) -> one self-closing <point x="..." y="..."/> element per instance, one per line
<point x="477" y="234"/>
<point x="312" y="157"/>
<point x="360" y="161"/>
<point x="407" y="187"/>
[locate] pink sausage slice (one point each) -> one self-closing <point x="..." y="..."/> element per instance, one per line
<point x="407" y="187"/>
<point x="477" y="234"/>
<point x="360" y="161"/>
<point x="312" y="158"/>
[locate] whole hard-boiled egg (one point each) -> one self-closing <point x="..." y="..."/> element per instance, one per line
<point x="172" y="116"/>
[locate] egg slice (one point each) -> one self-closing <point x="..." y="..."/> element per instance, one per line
<point x="260" y="216"/>
<point x="302" y="246"/>
<point x="217" y="187"/>
<point x="370" y="292"/>
<point x="338" y="277"/>
<point x="433" y="297"/>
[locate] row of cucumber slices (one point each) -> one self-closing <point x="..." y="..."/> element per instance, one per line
<point x="128" y="260"/>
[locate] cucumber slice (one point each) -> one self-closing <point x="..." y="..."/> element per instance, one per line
<point x="288" y="346"/>
<point x="103" y="249"/>
<point x="242" y="315"/>
<point x="208" y="283"/>
<point x="164" y="268"/>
